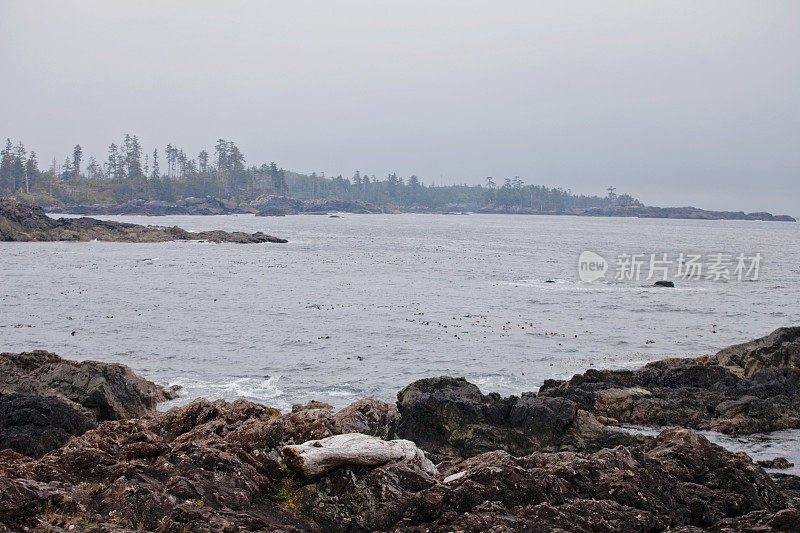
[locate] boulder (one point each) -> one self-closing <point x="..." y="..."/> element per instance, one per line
<point x="748" y="388"/>
<point x="34" y="425"/>
<point x="104" y="391"/>
<point x="780" y="463"/>
<point x="451" y="416"/>
<point x="779" y="349"/>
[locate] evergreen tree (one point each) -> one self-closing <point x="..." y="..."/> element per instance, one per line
<point x="156" y="174"/>
<point x="6" y="167"/>
<point x="77" y="155"/>
<point x="111" y="164"/>
<point x="32" y="174"/>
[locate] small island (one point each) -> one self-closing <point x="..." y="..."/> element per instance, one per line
<point x="20" y="221"/>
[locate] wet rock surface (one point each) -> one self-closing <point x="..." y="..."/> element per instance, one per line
<point x="27" y="222"/>
<point x="780" y="463"/>
<point x="748" y="388"/>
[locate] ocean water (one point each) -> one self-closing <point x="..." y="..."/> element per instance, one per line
<point x="362" y="305"/>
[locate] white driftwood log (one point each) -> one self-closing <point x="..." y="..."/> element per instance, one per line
<point x="316" y="457"/>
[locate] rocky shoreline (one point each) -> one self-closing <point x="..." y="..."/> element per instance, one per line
<point x="445" y="457"/>
<point x="273" y="205"/>
<point x="28" y="222"/>
<point x="266" y="205"/>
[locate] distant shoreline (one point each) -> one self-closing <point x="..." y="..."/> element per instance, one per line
<point x="281" y="206"/>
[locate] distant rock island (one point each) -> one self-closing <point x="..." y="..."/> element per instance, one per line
<point x="647" y="211"/>
<point x="20" y="221"/>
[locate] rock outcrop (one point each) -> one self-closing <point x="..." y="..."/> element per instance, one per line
<point x="27" y="222"/>
<point x="271" y="205"/>
<point x="450" y="416"/>
<point x="44" y="399"/>
<point x="105" y="391"/>
<point x="748" y="388"/>
<point x="216" y="466"/>
<point x="34" y="425"/>
<point x="186" y="206"/>
<point x="779" y="349"/>
<point x="530" y="463"/>
<point x="648" y="211"/>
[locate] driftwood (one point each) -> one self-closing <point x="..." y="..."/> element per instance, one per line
<point x="316" y="457"/>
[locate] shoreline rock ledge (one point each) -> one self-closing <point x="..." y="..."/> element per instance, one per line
<point x="747" y="388"/>
<point x="445" y="458"/>
<point x="44" y="399"/>
<point x="26" y="222"/>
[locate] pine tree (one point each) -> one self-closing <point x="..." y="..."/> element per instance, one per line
<point x="31" y="172"/>
<point x="77" y="155"/>
<point x="156" y="172"/>
<point x="113" y="155"/>
<point x="6" y="167"/>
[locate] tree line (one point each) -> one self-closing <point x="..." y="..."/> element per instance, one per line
<point x="131" y="173"/>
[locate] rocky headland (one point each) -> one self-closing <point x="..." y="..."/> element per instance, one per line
<point x="692" y="213"/>
<point x="21" y="221"/>
<point x="265" y="205"/>
<point x="445" y="457"/>
<point x="275" y="205"/>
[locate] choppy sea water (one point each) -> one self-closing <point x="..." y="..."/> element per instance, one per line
<point x="363" y="305"/>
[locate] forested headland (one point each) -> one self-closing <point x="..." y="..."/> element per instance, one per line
<point x="131" y="172"/>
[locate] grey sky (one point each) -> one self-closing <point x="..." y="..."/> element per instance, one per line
<point x="679" y="102"/>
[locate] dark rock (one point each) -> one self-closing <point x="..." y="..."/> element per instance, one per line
<point x="34" y="425"/>
<point x="215" y="466"/>
<point x="104" y="391"/>
<point x="271" y="205"/>
<point x="207" y="466"/>
<point x="451" y="416"/>
<point x="27" y="222"/>
<point x="748" y="388"/>
<point x="663" y="283"/>
<point x="647" y="211"/>
<point x="679" y="479"/>
<point x="780" y="463"/>
<point x="779" y="349"/>
<point x="342" y="206"/>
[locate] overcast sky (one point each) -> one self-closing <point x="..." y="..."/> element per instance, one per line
<point x="677" y="102"/>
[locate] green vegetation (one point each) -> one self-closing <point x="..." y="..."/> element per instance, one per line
<point x="130" y="173"/>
